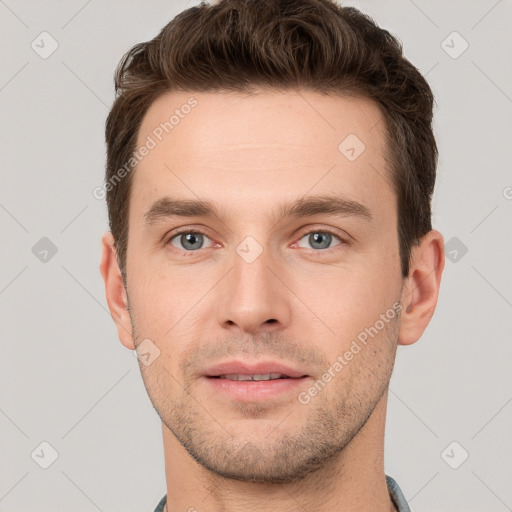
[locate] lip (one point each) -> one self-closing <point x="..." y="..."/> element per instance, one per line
<point x="261" y="367"/>
<point x="254" y="391"/>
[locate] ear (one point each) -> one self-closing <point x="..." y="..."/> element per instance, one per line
<point x="421" y="287"/>
<point x="115" y="291"/>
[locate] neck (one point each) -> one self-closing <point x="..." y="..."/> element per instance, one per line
<point x="352" y="480"/>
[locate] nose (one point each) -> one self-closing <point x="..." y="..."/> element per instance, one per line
<point x="253" y="298"/>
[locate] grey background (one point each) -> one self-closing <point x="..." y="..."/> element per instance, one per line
<point x="65" y="378"/>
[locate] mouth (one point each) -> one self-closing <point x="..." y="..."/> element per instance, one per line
<point x="259" y="382"/>
<point x="257" y="377"/>
<point x="261" y="370"/>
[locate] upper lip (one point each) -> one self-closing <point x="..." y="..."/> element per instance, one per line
<point x="259" y="368"/>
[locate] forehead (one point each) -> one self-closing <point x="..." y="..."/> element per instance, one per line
<point x="247" y="148"/>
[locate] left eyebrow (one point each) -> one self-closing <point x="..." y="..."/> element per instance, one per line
<point x="166" y="207"/>
<point x="327" y="205"/>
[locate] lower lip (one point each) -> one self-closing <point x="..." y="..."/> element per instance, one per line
<point x="251" y="391"/>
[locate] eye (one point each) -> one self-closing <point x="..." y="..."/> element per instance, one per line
<point x="320" y="239"/>
<point x="188" y="240"/>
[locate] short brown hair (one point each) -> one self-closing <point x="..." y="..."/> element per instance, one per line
<point x="316" y="45"/>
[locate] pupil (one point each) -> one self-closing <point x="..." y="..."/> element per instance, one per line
<point x="317" y="238"/>
<point x="191" y="239"/>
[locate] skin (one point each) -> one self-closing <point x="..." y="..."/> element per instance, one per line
<point x="298" y="302"/>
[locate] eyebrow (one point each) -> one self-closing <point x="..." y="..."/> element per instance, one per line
<point x="166" y="207"/>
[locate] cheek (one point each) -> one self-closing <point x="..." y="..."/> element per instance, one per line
<point x="169" y="307"/>
<point x="151" y="301"/>
<point x="349" y="300"/>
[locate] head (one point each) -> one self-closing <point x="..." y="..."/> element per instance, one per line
<point x="270" y="169"/>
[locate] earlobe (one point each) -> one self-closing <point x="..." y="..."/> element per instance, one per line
<point x="421" y="287"/>
<point x="115" y="291"/>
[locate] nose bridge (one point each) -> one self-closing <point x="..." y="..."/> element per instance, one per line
<point x="253" y="298"/>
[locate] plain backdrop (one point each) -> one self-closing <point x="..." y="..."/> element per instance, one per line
<point x="66" y="380"/>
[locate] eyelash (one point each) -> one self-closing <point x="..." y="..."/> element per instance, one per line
<point x="342" y="240"/>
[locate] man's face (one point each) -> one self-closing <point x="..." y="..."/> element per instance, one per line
<point x="259" y="291"/>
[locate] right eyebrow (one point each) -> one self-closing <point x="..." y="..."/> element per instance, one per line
<point x="169" y="207"/>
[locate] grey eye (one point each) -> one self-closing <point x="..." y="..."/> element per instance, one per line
<point x="319" y="239"/>
<point x="189" y="241"/>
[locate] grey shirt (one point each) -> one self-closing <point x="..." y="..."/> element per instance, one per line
<point x="394" y="492"/>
